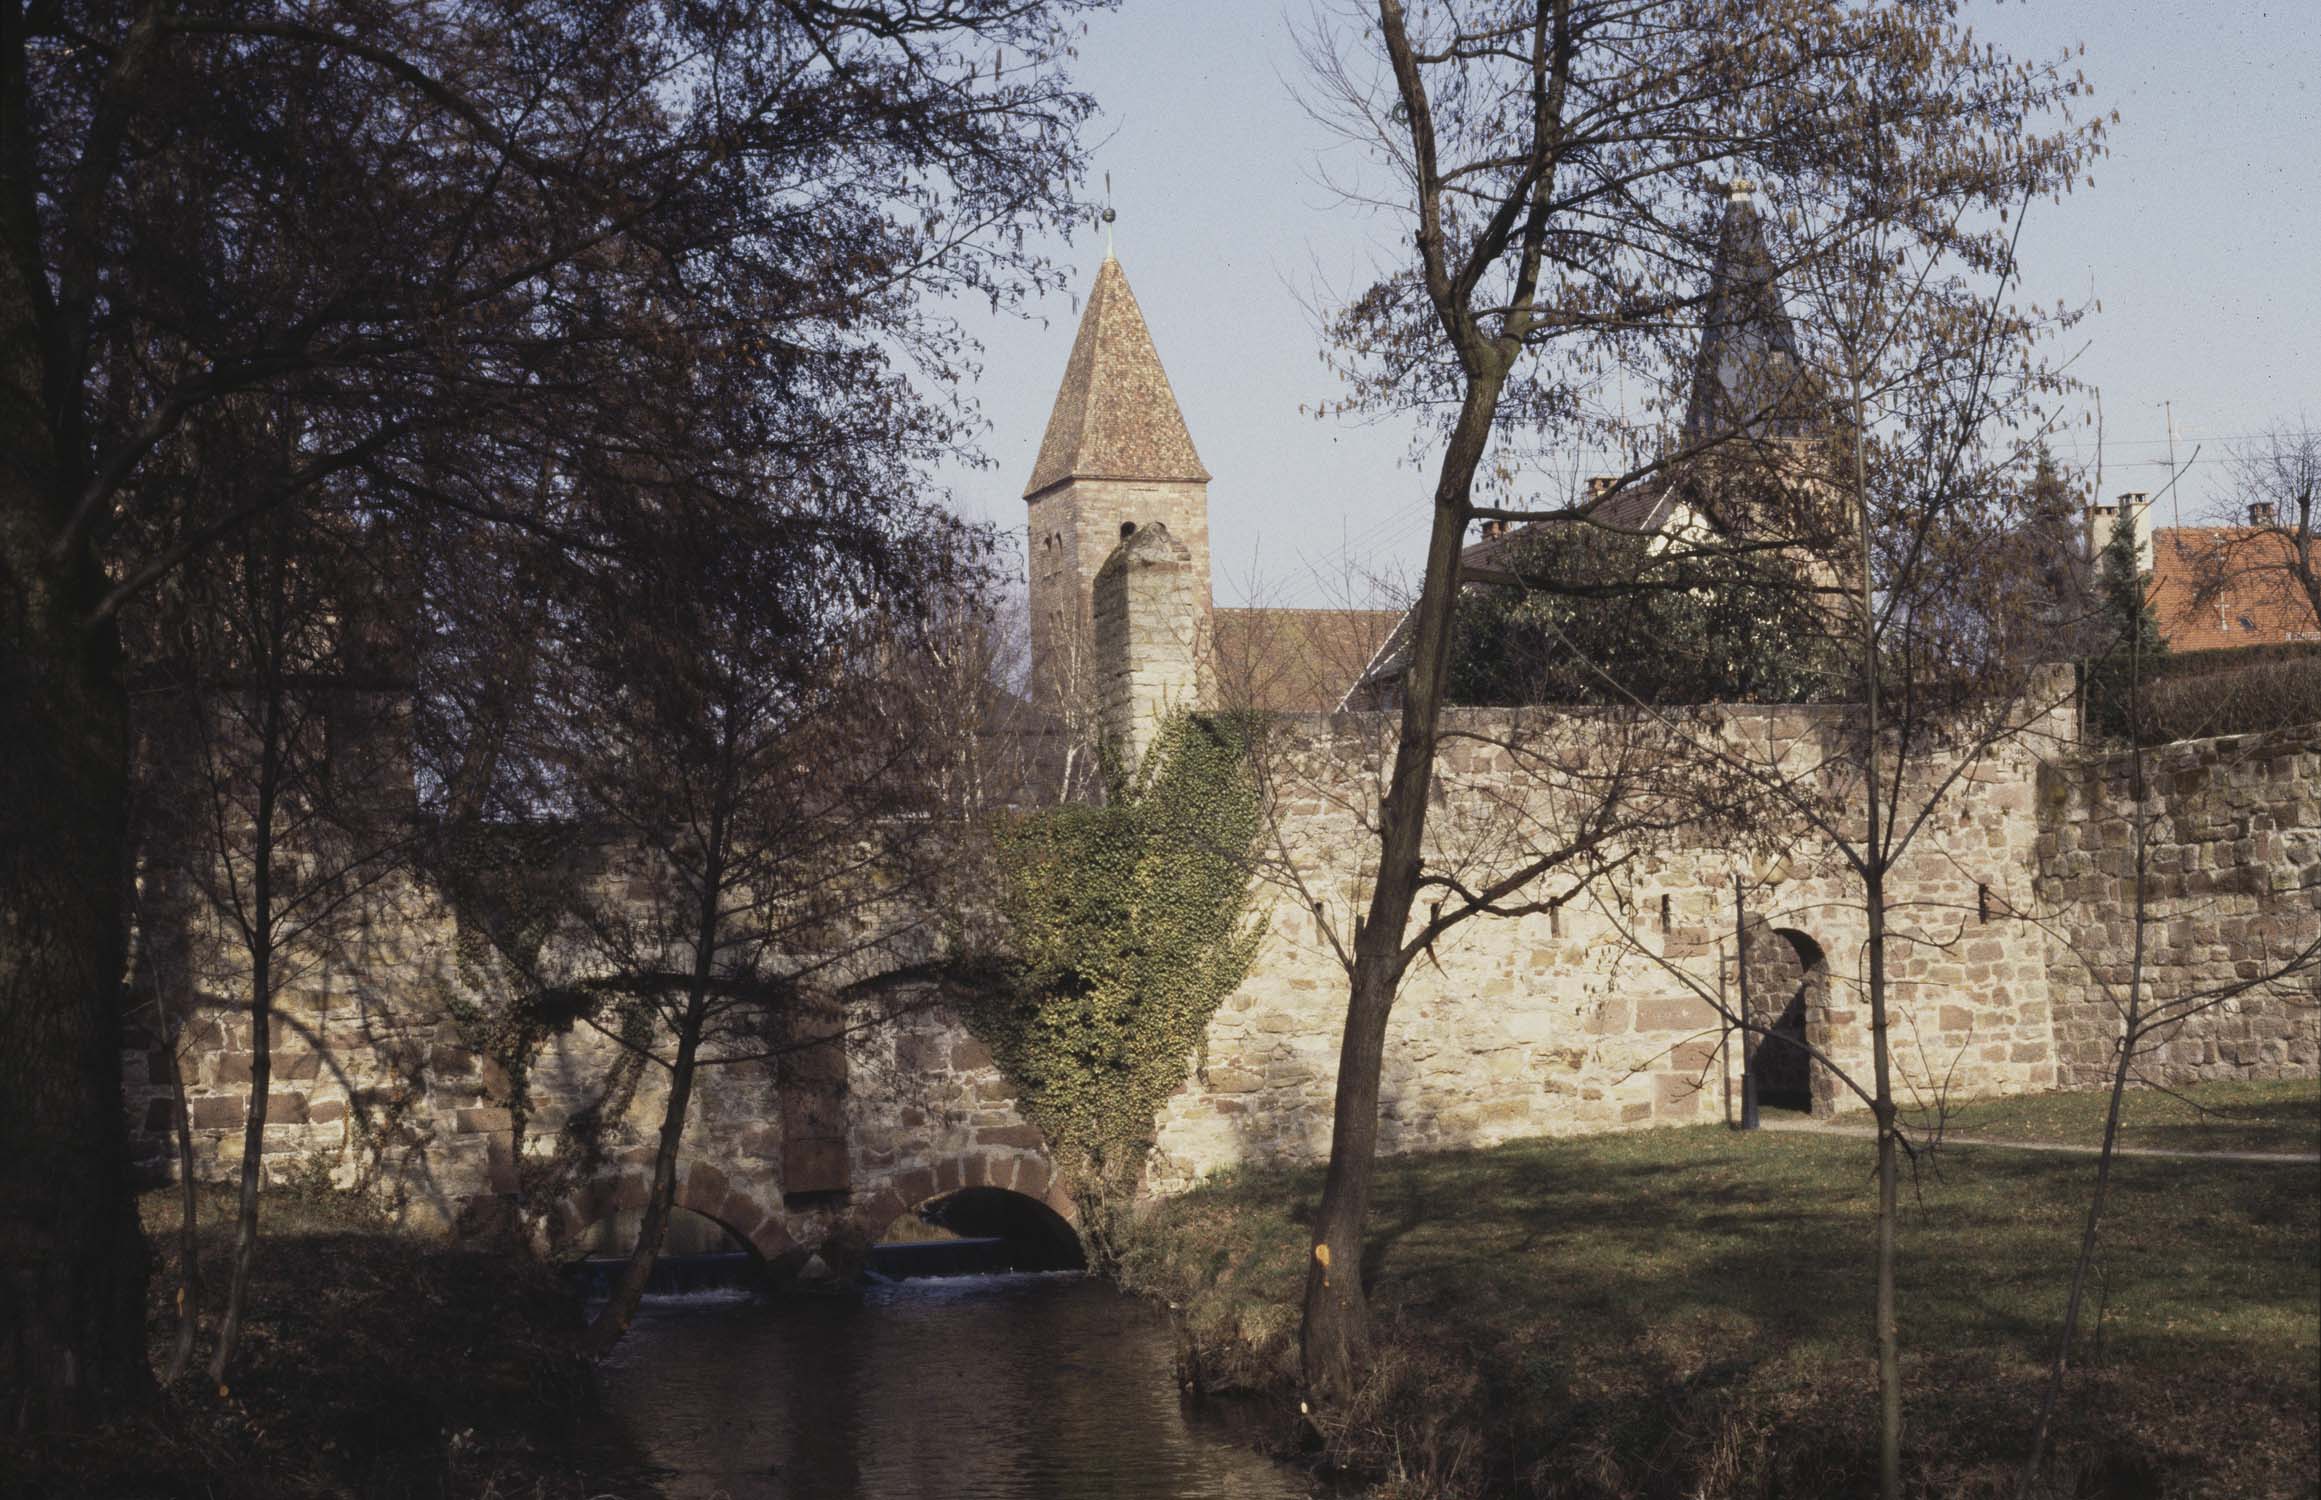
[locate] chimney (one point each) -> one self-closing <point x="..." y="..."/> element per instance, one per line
<point x="2135" y="507"/>
<point x="2262" y="513"/>
<point x="1493" y="529"/>
<point x="1600" y="485"/>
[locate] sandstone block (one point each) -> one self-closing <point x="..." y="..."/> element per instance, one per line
<point x="218" y="1111"/>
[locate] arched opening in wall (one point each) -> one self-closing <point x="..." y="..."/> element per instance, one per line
<point x="698" y="1254"/>
<point x="1788" y="976"/>
<point x="976" y="1231"/>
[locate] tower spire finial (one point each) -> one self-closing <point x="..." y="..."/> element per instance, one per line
<point x="1108" y="216"/>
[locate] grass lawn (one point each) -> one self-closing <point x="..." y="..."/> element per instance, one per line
<point x="2278" y="1117"/>
<point x="1681" y="1312"/>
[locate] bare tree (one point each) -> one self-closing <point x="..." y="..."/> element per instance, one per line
<point x="460" y="242"/>
<point x="1552" y="162"/>
<point x="723" y="721"/>
<point x="271" y="786"/>
<point x="1934" y="384"/>
<point x="277" y="862"/>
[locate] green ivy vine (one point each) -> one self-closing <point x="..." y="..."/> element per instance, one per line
<point x="1130" y="925"/>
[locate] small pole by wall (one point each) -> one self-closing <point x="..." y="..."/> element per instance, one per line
<point x="1748" y="1037"/>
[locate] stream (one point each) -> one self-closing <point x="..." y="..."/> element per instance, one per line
<point x="1006" y="1387"/>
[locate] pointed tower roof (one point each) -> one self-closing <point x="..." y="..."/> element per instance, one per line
<point x="1115" y="416"/>
<point x="1748" y="374"/>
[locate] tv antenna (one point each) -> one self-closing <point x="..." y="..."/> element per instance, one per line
<point x="2175" y="497"/>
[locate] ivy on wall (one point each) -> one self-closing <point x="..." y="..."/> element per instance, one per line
<point x="1130" y="925"/>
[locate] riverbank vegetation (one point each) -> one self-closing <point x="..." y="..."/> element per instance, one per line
<point x="374" y="1362"/>
<point x="1683" y="1312"/>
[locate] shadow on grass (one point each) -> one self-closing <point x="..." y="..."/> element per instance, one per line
<point x="1681" y="1312"/>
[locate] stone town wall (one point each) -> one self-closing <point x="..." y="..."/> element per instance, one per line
<point x="1555" y="1021"/>
<point x="1571" y="1020"/>
<point x="384" y="1078"/>
<point x="2234" y="861"/>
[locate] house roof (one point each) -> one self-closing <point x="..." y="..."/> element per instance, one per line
<point x="2255" y="604"/>
<point x="1295" y="660"/>
<point x="1643" y="508"/>
<point x="1115" y="416"/>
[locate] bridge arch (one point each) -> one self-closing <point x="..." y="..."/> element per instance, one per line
<point x="1013" y="1171"/>
<point x="701" y="1188"/>
<point x="751" y="1208"/>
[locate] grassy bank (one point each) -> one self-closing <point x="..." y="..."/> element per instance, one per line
<point x="1684" y="1312"/>
<point x="373" y="1364"/>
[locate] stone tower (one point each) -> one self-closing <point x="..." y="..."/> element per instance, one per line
<point x="1146" y="605"/>
<point x="1116" y="456"/>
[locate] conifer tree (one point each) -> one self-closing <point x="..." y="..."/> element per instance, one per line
<point x="2129" y="644"/>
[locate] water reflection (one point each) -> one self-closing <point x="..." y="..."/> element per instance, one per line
<point x="1024" y="1387"/>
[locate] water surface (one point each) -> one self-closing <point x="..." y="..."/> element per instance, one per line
<point x="1017" y="1387"/>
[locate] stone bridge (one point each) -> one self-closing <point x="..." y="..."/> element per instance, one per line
<point x="843" y="1140"/>
<point x="378" y="1083"/>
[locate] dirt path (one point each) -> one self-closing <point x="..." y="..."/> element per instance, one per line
<point x="1867" y="1132"/>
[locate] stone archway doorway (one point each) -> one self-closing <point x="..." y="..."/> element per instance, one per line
<point x="1788" y="978"/>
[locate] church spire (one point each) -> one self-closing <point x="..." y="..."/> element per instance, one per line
<point x="1748" y="375"/>
<point x="1115" y="416"/>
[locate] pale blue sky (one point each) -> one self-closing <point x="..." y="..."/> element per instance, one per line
<point x="2201" y="238"/>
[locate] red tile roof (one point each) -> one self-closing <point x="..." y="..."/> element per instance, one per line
<point x="2257" y="603"/>
<point x="1115" y="416"/>
<point x="1296" y="661"/>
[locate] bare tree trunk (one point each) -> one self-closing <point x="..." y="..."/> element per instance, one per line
<point x="1889" y="1199"/>
<point x="189" y="1213"/>
<point x="72" y="1258"/>
<point x="2088" y="1234"/>
<point x="1336" y="1330"/>
<point x="260" y="934"/>
<point x="1874" y="865"/>
<point x="619" y="1312"/>
<point x="1749" y="1120"/>
<point x="253" y="1157"/>
<point x="2131" y="1032"/>
<point x="1335" y="1333"/>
